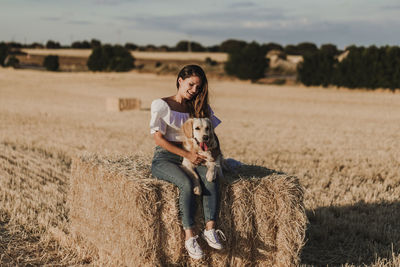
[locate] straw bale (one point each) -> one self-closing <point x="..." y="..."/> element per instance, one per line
<point x="134" y="219"/>
<point x="120" y="104"/>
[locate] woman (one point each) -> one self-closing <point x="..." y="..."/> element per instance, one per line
<point x="167" y="116"/>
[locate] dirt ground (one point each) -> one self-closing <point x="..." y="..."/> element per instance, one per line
<point x="343" y="145"/>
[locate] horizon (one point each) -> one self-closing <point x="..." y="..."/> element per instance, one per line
<point x="342" y="23"/>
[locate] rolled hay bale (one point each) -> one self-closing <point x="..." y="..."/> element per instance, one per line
<point x="121" y="104"/>
<point x="133" y="218"/>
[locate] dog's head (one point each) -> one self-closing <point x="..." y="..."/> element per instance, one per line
<point x="199" y="129"/>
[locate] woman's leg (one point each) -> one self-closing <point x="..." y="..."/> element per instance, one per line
<point x="170" y="171"/>
<point x="210" y="197"/>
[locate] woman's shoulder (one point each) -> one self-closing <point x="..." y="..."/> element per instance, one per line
<point x="159" y="105"/>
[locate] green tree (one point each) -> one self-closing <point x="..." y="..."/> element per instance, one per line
<point x="52" y="44"/>
<point x="232" y="46"/>
<point x="81" y="45"/>
<point x="131" y="46"/>
<point x="194" y="46"/>
<point x="110" y="58"/>
<point x="291" y="50"/>
<point x="307" y="48"/>
<point x="271" y="46"/>
<point x="51" y="63"/>
<point x="95" y="43"/>
<point x="329" y="48"/>
<point x="247" y="63"/>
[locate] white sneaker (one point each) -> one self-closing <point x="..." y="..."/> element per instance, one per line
<point x="193" y="248"/>
<point x="211" y="236"/>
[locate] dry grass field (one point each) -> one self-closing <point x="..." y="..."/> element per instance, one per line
<point x="343" y="145"/>
<point x="176" y="56"/>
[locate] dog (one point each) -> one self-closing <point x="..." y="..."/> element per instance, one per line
<point x="199" y="136"/>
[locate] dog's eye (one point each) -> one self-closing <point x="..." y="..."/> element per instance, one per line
<point x="207" y="128"/>
<point x="197" y="128"/>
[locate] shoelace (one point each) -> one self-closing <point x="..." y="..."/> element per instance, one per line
<point x="221" y="234"/>
<point x="195" y="244"/>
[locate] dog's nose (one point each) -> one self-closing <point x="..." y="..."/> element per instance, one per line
<point x="205" y="137"/>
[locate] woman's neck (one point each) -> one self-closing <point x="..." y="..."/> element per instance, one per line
<point x="179" y="99"/>
<point x="176" y="103"/>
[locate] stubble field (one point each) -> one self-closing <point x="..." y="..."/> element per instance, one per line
<point x="343" y="145"/>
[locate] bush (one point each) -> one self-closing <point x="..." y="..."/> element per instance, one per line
<point x="210" y="61"/>
<point x="247" y="63"/>
<point x="3" y="53"/>
<point x="110" y="58"/>
<point x="51" y="63"/>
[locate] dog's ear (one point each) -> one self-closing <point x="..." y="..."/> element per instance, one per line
<point x="187" y="128"/>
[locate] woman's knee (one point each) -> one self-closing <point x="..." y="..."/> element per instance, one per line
<point x="185" y="185"/>
<point x="210" y="188"/>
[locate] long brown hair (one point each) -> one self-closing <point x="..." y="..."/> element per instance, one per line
<point x="198" y="105"/>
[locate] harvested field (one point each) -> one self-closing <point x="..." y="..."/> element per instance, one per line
<point x="145" y="62"/>
<point x="170" y="56"/>
<point x="343" y="145"/>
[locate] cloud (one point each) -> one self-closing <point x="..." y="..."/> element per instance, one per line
<point x="391" y="7"/>
<point x="109" y="2"/>
<point x="270" y="26"/>
<point x="242" y="5"/>
<point x="262" y="24"/>
<point x="79" y="22"/>
<point x="258" y="18"/>
<point x="50" y="18"/>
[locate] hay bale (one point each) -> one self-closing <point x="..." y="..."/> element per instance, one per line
<point x="120" y="104"/>
<point x="133" y="218"/>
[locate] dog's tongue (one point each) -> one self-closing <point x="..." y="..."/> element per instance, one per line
<point x="203" y="146"/>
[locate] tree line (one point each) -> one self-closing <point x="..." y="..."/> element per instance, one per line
<point x="181" y="46"/>
<point x="363" y="67"/>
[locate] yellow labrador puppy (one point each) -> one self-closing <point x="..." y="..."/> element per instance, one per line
<point x="200" y="137"/>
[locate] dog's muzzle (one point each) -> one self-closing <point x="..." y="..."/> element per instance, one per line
<point x="203" y="145"/>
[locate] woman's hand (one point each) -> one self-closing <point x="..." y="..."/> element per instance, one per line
<point x="195" y="158"/>
<point x="192" y="156"/>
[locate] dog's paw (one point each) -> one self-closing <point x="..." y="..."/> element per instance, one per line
<point x="197" y="190"/>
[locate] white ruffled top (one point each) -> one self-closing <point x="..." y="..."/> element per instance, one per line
<point x="169" y="122"/>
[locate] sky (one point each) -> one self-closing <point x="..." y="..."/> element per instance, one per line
<point x="209" y="22"/>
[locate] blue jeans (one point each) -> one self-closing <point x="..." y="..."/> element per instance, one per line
<point x="166" y="166"/>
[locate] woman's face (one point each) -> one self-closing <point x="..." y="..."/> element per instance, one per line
<point x="189" y="87"/>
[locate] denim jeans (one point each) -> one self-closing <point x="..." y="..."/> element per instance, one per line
<point x="166" y="166"/>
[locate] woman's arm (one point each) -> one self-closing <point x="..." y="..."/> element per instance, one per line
<point x="164" y="143"/>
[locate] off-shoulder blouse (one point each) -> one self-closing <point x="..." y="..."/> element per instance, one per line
<point x="169" y="122"/>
